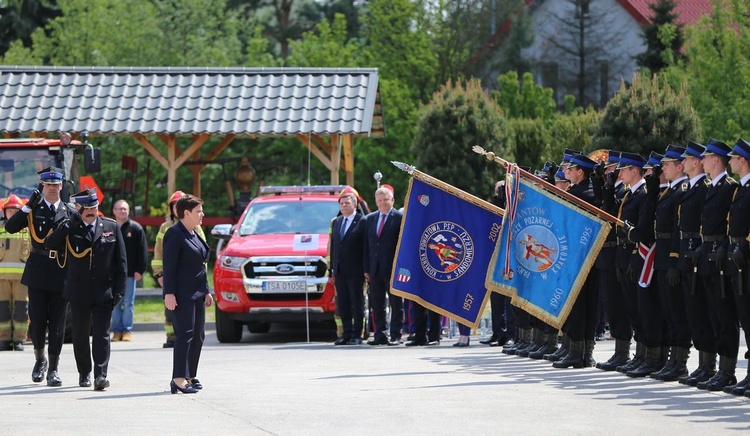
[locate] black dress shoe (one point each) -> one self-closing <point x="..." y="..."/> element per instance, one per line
<point x="101" y="383"/>
<point x="188" y="389"/>
<point x="461" y="344"/>
<point x="341" y="341"/>
<point x="410" y="337"/>
<point x="395" y="342"/>
<point x="18" y="345"/>
<point x="490" y="341"/>
<point x="416" y="343"/>
<point x="84" y="380"/>
<point x="196" y="384"/>
<point x="168" y="344"/>
<point x="354" y="341"/>
<point x="378" y="341"/>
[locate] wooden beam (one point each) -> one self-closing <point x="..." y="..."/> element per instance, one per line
<point x="172" y="169"/>
<point x="349" y="158"/>
<point x="151" y="150"/>
<point x="220" y="147"/>
<point x="335" y="158"/>
<point x="198" y="141"/>
<point x="322" y="143"/>
<point x="197" y="174"/>
<point x="325" y="160"/>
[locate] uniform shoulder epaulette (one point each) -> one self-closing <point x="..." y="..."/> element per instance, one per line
<point x="104" y="218"/>
<point x="730" y="180"/>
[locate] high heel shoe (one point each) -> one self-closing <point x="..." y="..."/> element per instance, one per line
<point x="188" y="389"/>
<point x="195" y="383"/>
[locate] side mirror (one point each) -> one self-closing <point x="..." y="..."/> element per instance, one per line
<point x="92" y="162"/>
<point x="222" y="231"/>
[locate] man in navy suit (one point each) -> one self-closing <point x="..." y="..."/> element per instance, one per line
<point x="382" y="230"/>
<point x="95" y="282"/>
<point x="347" y="268"/>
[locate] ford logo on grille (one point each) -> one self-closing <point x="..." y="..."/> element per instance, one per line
<point x="284" y="268"/>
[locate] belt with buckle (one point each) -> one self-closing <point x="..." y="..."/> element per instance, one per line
<point x="609" y="244"/>
<point x="689" y="235"/>
<point x="663" y="235"/>
<point x="50" y="254"/>
<point x="736" y="240"/>
<point x="714" y="238"/>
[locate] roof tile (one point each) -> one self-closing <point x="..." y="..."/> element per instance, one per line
<point x="186" y="101"/>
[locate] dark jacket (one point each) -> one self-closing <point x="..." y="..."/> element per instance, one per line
<point x="185" y="258"/>
<point x="42" y="271"/>
<point x="347" y="253"/>
<point x="379" y="252"/>
<point x="666" y="232"/>
<point x="689" y="212"/>
<point x="136" y="247"/>
<point x="96" y="265"/>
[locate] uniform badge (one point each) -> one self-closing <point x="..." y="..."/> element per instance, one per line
<point x="684" y="186"/>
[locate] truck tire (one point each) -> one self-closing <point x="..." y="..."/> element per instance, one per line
<point x="227" y="329"/>
<point x="259" y="327"/>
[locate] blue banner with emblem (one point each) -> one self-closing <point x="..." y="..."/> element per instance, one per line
<point x="546" y="250"/>
<point x="447" y="240"/>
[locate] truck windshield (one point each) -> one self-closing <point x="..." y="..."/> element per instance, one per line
<point x="289" y="217"/>
<point x="18" y="168"/>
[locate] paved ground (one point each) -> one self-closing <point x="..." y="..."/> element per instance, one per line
<point x="279" y="384"/>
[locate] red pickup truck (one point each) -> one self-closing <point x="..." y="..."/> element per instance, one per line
<point x="272" y="266"/>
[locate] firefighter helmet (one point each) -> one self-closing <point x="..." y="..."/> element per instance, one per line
<point x="13" y="201"/>
<point x="176" y="196"/>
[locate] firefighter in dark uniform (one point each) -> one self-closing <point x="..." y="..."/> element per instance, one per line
<point x="584" y="317"/>
<point x="650" y="320"/>
<point x="689" y="212"/>
<point x="95" y="282"/>
<point x="712" y="260"/>
<point x="44" y="273"/>
<point x="619" y="324"/>
<point x="677" y="336"/>
<point x="737" y="249"/>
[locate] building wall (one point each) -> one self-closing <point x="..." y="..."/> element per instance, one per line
<point x="613" y="39"/>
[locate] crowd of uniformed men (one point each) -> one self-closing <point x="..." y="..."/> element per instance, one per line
<point x="674" y="274"/>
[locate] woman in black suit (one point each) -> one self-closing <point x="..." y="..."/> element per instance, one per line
<point x="186" y="292"/>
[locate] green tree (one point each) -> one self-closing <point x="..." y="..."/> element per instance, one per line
<point x="20" y="18"/>
<point x="717" y="70"/>
<point x="458" y="117"/>
<point x="524" y="98"/>
<point x="645" y="117"/>
<point x="328" y="45"/>
<point x="663" y="37"/>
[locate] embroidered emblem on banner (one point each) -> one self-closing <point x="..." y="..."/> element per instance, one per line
<point x="424" y="200"/>
<point x="446" y="251"/>
<point x="403" y="275"/>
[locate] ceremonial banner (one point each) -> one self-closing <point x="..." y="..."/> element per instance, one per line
<point x="447" y="241"/>
<point x="546" y="250"/>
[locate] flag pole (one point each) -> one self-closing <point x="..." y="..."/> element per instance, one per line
<point x="428" y="179"/>
<point x="550" y="187"/>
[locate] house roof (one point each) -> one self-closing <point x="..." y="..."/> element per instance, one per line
<point x="688" y="11"/>
<point x="186" y="101"/>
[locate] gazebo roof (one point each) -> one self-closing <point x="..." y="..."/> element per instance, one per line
<point x="188" y="101"/>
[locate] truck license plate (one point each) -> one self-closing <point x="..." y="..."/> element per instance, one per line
<point x="298" y="286"/>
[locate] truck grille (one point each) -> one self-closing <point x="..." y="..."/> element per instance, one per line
<point x="286" y="267"/>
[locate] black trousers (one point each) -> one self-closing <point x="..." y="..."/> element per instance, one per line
<point x="379" y="288"/>
<point x="503" y="322"/>
<point x="94" y="319"/>
<point x="723" y="312"/>
<point x="423" y="316"/>
<point x="673" y="307"/>
<point x="189" y="331"/>
<point x="650" y="318"/>
<point x="742" y="299"/>
<point x="584" y="316"/>
<point x="696" y="307"/>
<point x="47" y="311"/>
<point x="523" y="318"/>
<point x="618" y="310"/>
<point x="350" y="303"/>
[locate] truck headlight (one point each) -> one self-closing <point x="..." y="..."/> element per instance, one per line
<point x="232" y="262"/>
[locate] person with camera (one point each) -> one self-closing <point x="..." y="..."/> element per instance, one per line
<point x="95" y="282"/>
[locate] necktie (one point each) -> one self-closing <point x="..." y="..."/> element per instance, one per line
<point x="343" y="227"/>
<point x="52" y="208"/>
<point x="382" y="223"/>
